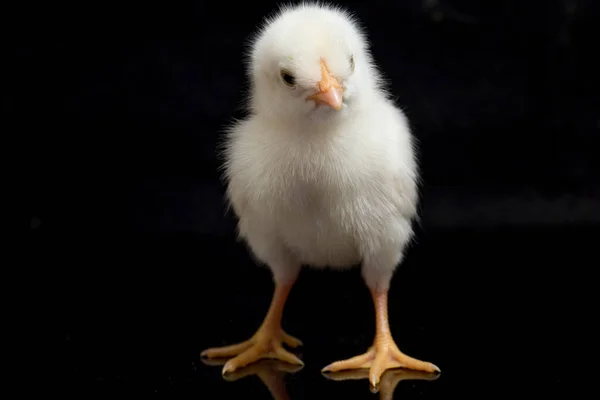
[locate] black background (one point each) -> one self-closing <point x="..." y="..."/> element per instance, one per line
<point x="133" y="266"/>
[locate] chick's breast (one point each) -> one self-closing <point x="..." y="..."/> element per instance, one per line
<point x="328" y="197"/>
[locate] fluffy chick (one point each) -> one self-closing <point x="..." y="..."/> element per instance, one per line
<point x="321" y="173"/>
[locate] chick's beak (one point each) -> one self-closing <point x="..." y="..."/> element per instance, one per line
<point x="330" y="90"/>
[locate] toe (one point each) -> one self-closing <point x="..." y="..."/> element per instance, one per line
<point x="380" y="365"/>
<point x="284" y="355"/>
<point x="226" y="351"/>
<point x="358" y="362"/>
<point x="290" y="340"/>
<point x="249" y="356"/>
<point x="414" y="364"/>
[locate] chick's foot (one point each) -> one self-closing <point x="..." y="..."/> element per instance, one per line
<point x="384" y="354"/>
<point x="267" y="343"/>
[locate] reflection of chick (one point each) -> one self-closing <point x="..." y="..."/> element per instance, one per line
<point x="322" y="173"/>
<point x="389" y="380"/>
<point x="270" y="372"/>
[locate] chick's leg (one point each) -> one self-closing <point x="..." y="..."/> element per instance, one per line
<point x="266" y="343"/>
<point x="384" y="353"/>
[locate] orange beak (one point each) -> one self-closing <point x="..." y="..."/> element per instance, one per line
<point x="330" y="90"/>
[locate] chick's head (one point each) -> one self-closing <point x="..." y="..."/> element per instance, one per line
<point x="310" y="61"/>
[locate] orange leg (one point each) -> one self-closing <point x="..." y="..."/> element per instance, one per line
<point x="266" y="343"/>
<point x="384" y="353"/>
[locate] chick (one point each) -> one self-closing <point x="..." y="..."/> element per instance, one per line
<point x="322" y="173"/>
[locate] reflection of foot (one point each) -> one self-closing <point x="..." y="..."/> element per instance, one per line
<point x="389" y="379"/>
<point x="270" y="372"/>
<point x="266" y="343"/>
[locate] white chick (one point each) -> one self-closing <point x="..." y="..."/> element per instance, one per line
<point x="322" y="173"/>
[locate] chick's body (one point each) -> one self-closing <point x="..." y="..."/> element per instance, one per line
<point x="337" y="195"/>
<point x="321" y="173"/>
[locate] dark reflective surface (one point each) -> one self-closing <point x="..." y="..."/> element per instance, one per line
<point x="498" y="311"/>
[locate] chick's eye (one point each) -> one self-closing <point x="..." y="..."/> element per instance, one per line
<point x="288" y="78"/>
<point x="352" y="63"/>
